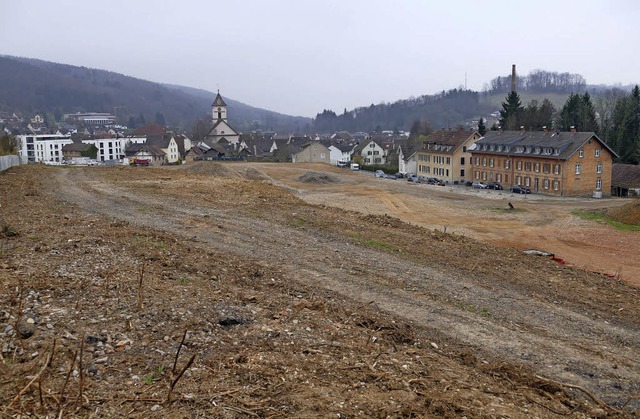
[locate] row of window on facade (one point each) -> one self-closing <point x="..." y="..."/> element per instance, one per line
<point x="532" y="150"/>
<point x="437" y="171"/>
<point x="599" y="168"/>
<point x="527" y="165"/>
<point x="546" y="183"/>
<point x="437" y="159"/>
<point x="443" y="147"/>
<point x="537" y="166"/>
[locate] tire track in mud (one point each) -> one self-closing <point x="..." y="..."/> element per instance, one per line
<point x="501" y="320"/>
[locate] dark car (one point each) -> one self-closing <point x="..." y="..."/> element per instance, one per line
<point x="468" y="183"/>
<point x="494" y="185"/>
<point x="520" y="189"/>
<point x="399" y="175"/>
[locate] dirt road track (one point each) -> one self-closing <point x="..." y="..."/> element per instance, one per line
<point x="530" y="321"/>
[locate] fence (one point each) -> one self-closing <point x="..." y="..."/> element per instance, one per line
<point x="8" y="161"/>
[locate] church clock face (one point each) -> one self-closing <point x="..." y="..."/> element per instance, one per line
<point x="219" y="109"/>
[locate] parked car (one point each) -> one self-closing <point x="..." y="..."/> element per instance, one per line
<point x="520" y="189"/>
<point x="413" y="178"/>
<point x="386" y="176"/>
<point x="379" y="173"/>
<point x="479" y="185"/>
<point x="494" y="185"/>
<point x="399" y="175"/>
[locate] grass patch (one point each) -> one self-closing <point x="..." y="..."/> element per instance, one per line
<point x="375" y="244"/>
<point x="297" y="223"/>
<point x="605" y="219"/>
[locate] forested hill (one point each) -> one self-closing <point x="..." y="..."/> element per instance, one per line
<point x="35" y="86"/>
<point x="459" y="106"/>
<point x="446" y="109"/>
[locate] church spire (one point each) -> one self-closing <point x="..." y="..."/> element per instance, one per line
<point x="218" y="109"/>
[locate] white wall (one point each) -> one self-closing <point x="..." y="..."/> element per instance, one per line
<point x="41" y="148"/>
<point x="108" y="148"/>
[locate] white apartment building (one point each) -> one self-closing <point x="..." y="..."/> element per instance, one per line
<point x="108" y="148"/>
<point x="42" y="147"/>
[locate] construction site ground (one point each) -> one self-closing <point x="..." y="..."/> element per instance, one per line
<point x="295" y="290"/>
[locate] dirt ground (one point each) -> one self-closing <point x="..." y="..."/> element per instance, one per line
<point x="275" y="290"/>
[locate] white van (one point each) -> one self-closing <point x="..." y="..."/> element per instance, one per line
<point x="354" y="166"/>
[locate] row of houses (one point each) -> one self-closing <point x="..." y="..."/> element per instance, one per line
<point x="551" y="162"/>
<point x="152" y="143"/>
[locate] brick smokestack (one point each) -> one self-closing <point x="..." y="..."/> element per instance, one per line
<point x="513" y="77"/>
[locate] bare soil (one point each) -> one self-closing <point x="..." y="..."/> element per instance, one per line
<point x="234" y="290"/>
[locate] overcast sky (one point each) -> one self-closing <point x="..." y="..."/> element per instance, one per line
<point x="301" y="56"/>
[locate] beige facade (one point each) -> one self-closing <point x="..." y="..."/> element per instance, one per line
<point x="446" y="156"/>
<point x="313" y="152"/>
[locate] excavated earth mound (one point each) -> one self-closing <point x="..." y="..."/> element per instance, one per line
<point x="317" y="177"/>
<point x="627" y="214"/>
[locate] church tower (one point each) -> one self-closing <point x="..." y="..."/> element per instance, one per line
<point x="221" y="131"/>
<point x="219" y="109"/>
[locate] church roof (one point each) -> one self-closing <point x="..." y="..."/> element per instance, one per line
<point x="219" y="122"/>
<point x="218" y="101"/>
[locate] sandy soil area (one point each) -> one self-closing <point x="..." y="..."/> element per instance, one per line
<point x="540" y="222"/>
<point x="235" y="290"/>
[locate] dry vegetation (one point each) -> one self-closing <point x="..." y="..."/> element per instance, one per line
<point x="207" y="291"/>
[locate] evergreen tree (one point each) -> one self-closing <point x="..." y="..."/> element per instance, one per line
<point x="578" y="112"/>
<point x="482" y="128"/>
<point x="546" y="113"/>
<point x="629" y="131"/>
<point x="588" y="120"/>
<point x="511" y="113"/>
<point x="570" y="113"/>
<point x="531" y="116"/>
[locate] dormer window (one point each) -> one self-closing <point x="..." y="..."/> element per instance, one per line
<point x="536" y="150"/>
<point x="500" y="148"/>
<point x="556" y="151"/>
<point x="519" y="149"/>
<point x="492" y="147"/>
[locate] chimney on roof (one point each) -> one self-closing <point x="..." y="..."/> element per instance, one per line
<point x="522" y="129"/>
<point x="573" y="129"/>
<point x="513" y="77"/>
<point x="544" y="129"/>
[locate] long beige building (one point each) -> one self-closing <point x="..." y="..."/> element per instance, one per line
<point x="445" y="155"/>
